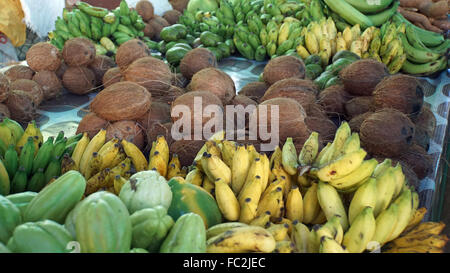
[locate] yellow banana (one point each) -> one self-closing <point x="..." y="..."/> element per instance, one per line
<point x="385" y="190"/>
<point x="289" y="157"/>
<point x="300" y="236"/>
<point x="281" y="183"/>
<point x="416" y="219"/>
<point x="248" y="210"/>
<point x="276" y="158"/>
<point x="331" y="203"/>
<point x="343" y="133"/>
<point x="273" y="203"/>
<point x="228" y="149"/>
<point x="312" y="45"/>
<point x="366" y="38"/>
<point x="241" y="240"/>
<point x="108" y="155"/>
<point x="311" y="206"/>
<point x="162" y="147"/>
<point x="261" y="220"/>
<point x="356" y="32"/>
<point x="80" y="148"/>
<point x="360" y="232"/>
<point x="325" y="46"/>
<point x="265" y="172"/>
<point x="385" y="224"/>
<point x="399" y="178"/>
<point x="256" y="170"/>
<point x="283" y="32"/>
<point x="352" y="144"/>
<point x="119" y="157"/>
<point x="216" y="168"/>
<point x="285" y="221"/>
<point x="302" y="51"/>
<point x="158" y="163"/>
<point x="415" y="249"/>
<point x="316" y="29"/>
<point x="434" y="228"/>
<point x="94" y="146"/>
<point x="320" y="219"/>
<point x="313" y="243"/>
<point x="195" y="177"/>
<point x="94" y="165"/>
<point x="226" y="200"/>
<point x="251" y="189"/>
<point x="365" y="196"/>
<point x="213" y="149"/>
<point x="329" y="245"/>
<point x="208" y="185"/>
<point x="382" y="167"/>
<point x="348" y="37"/>
<point x="404" y="203"/>
<point x="356" y="47"/>
<point x="303" y="181"/>
<point x="119" y="181"/>
<point x="332" y="228"/>
<point x="139" y="161"/>
<point x="285" y="246"/>
<point x="278" y="231"/>
<point x="221" y="228"/>
<point x="331" y="28"/>
<point x="294" y="205"/>
<point x="30" y="131"/>
<point x="357" y="176"/>
<point x="174" y="167"/>
<point x="340" y="42"/>
<point x="309" y="150"/>
<point x="438" y="241"/>
<point x="342" y="166"/>
<point x="281" y="174"/>
<point x="321" y="157"/>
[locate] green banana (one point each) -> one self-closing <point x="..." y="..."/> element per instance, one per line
<point x="19" y="182"/>
<point x="53" y="169"/>
<point x="123" y="8"/>
<point x="43" y="155"/>
<point x="27" y="155"/>
<point x="37" y="181"/>
<point x="59" y="148"/>
<point x="349" y="13"/>
<point x="428" y="38"/>
<point x="382" y="17"/>
<point x="370" y="6"/>
<point x="11" y="161"/>
<point x="424" y="69"/>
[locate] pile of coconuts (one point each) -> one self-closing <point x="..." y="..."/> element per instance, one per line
<point x="387" y="111"/>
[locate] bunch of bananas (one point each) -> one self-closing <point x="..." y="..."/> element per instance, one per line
<point x="28" y="163"/>
<point x="105" y="28"/>
<point x="314" y="10"/>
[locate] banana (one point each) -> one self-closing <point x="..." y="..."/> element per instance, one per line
<point x="215" y="168"/>
<point x="300" y="235"/>
<point x="27" y="155"/>
<point x="392" y="51"/>
<point x="139" y="161"/>
<point x="174" y="167"/>
<point x="360" y="232"/>
<point x="321" y="157"/>
<point x="329" y="245"/>
<point x="432" y="228"/>
<point x="303" y="181"/>
<point x="320" y="219"/>
<point x="19" y="181"/>
<point x="119" y="181"/>
<point x="15" y="128"/>
<point x="313" y="243"/>
<point x="281" y="174"/>
<point x="437" y="241"/>
<point x="158" y="163"/>
<point x="404" y="203"/>
<point x="366" y="38"/>
<point x="208" y="185"/>
<point x="382" y="167"/>
<point x="11" y="162"/>
<point x="316" y="29"/>
<point x="37" y="181"/>
<point x="281" y="183"/>
<point x="400" y="179"/>
<point x="312" y="45"/>
<point x="356" y="47"/>
<point x="275" y="158"/>
<point x="309" y="150"/>
<point x="285" y="246"/>
<point x="226" y="200"/>
<point x="195" y="177"/>
<point x="272" y="203"/>
<point x="162" y="147"/>
<point x="251" y="189"/>
<point x="425" y="68"/>
<point x="5" y="181"/>
<point x="119" y="157"/>
<point x="385" y="224"/>
<point x="325" y="47"/>
<point x="385" y="190"/>
<point x="241" y="240"/>
<point x="302" y="51"/>
<point x="94" y="146"/>
<point x="343" y="133"/>
<point x="294" y="205"/>
<point x="278" y="231"/>
<point x="331" y="203"/>
<point x="311" y="206"/>
<point x="221" y="228"/>
<point x="80" y="148"/>
<point x="256" y="170"/>
<point x="31" y="131"/>
<point x="94" y="165"/>
<point x="248" y="210"/>
<point x="239" y="169"/>
<point x="342" y="166"/>
<point x="108" y="154"/>
<point x="415" y="249"/>
<point x="348" y="37"/>
<point x="43" y="155"/>
<point x="261" y="220"/>
<point x="283" y="33"/>
<point x="6" y="135"/>
<point x="289" y="157"/>
<point x="365" y="196"/>
<point x="341" y="44"/>
<point x="416" y="219"/>
<point x="364" y="171"/>
<point x="266" y="173"/>
<point x="228" y="149"/>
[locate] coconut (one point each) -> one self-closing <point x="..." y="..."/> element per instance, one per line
<point x="196" y="60"/>
<point x="145" y="9"/>
<point x="122" y="101"/>
<point x="387" y="132"/>
<point x="426" y="121"/>
<point x="402" y="92"/>
<point x="158" y="23"/>
<point x="21" y="106"/>
<point x="43" y="56"/>
<point x="78" y="52"/>
<point x="355" y="122"/>
<point x="129" y="52"/>
<point x="31" y="87"/>
<point x="179" y="80"/>
<point x="186" y="150"/>
<point x="254" y="90"/>
<point x="61" y="70"/>
<point x="333" y="100"/>
<point x="159" y="112"/>
<point x="172" y="16"/>
<point x="240" y="118"/>
<point x="100" y="65"/>
<point x="361" y="77"/>
<point x="4" y="87"/>
<point x="91" y="124"/>
<point x="160" y="129"/>
<point x="17" y="72"/>
<point x="151" y="73"/>
<point x="303" y="91"/>
<point x="126" y="129"/>
<point x="167" y="96"/>
<point x="417" y="158"/>
<point x="358" y="106"/>
<point x="283" y="67"/>
<point x="79" y="80"/>
<point x="50" y="83"/>
<point x="215" y="81"/>
<point x="4" y="111"/>
<point x="316" y="110"/>
<point x="325" y="127"/>
<point x="179" y="5"/>
<point x="111" y="76"/>
<point x="410" y="175"/>
<point x="149" y="31"/>
<point x="422" y="138"/>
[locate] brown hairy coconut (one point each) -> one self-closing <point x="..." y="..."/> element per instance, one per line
<point x="167" y="96"/>
<point x="283" y="67"/>
<point x="179" y="5"/>
<point x="291" y="118"/>
<point x="316" y="110"/>
<point x="160" y="129"/>
<point x="426" y="121"/>
<point x="186" y="150"/>
<point x="333" y="100"/>
<point x="242" y="100"/>
<point x="145" y="9"/>
<point x="17" y="72"/>
<point x="254" y="90"/>
<point x="79" y="80"/>
<point x="303" y="91"/>
<point x="150" y="72"/>
<point x="158" y="23"/>
<point x="31" y="87"/>
<point x="126" y="129"/>
<point x="149" y="31"/>
<point x="159" y="112"/>
<point x="21" y="106"/>
<point x="122" y="101"/>
<point x="4" y="87"/>
<point x="111" y="76"/>
<point x="43" y="56"/>
<point x="172" y="16"/>
<point x="387" y="132"/>
<point x="100" y="65"/>
<point x="361" y="77"/>
<point x="196" y="60"/>
<point x="179" y="80"/>
<point x="402" y="92"/>
<point x="129" y="52"/>
<point x="355" y="122"/>
<point x="49" y="82"/>
<point x="422" y="138"/>
<point x="4" y="111"/>
<point x="91" y="124"/>
<point x="358" y="106"/>
<point x="325" y="127"/>
<point x="61" y="70"/>
<point x="78" y="52"/>
<point x="417" y="158"/>
<point x="215" y="81"/>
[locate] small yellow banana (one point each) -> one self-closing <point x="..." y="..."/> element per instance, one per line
<point x="139" y="161"/>
<point x="385" y="224"/>
<point x="278" y="231"/>
<point x="348" y="37"/>
<point x="356" y="177"/>
<point x="228" y="149"/>
<point x="239" y="169"/>
<point x="216" y="168"/>
<point x="80" y="148"/>
<point x="365" y="196"/>
<point x="158" y="163"/>
<point x="331" y="203"/>
<point x="261" y="220"/>
<point x="208" y="185"/>
<point x="173" y="168"/>
<point x="195" y="177"/>
<point x="119" y="181"/>
<point x="342" y="166"/>
<point x="94" y="146"/>
<point x="329" y="245"/>
<point x="242" y="239"/>
<point x="221" y="228"/>
<point x="300" y="236"/>
<point x="289" y="157"/>
<point x="226" y="200"/>
<point x="312" y="45"/>
<point x="285" y="246"/>
<point x="361" y="232"/>
<point x="311" y="206"/>
<point x="294" y="205"/>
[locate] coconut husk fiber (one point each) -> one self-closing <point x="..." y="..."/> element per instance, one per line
<point x="151" y="73"/>
<point x="361" y="77"/>
<point x="254" y="90"/>
<point x="43" y="56"/>
<point x="91" y="124"/>
<point x="215" y="81"/>
<point x="186" y="150"/>
<point x="129" y="52"/>
<point x="333" y="100"/>
<point x="283" y="67"/>
<point x="358" y="105"/>
<point x="196" y="60"/>
<point x="17" y="72"/>
<point x="126" y="129"/>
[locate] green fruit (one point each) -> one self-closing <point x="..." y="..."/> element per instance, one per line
<point x="313" y="59"/>
<point x="338" y="65"/>
<point x="345" y="54"/>
<point x="21" y="200"/>
<point x="4" y="249"/>
<point x="173" y="33"/>
<point x="175" y="54"/>
<point x="9" y="218"/>
<point x="313" y="71"/>
<point x="188" y="235"/>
